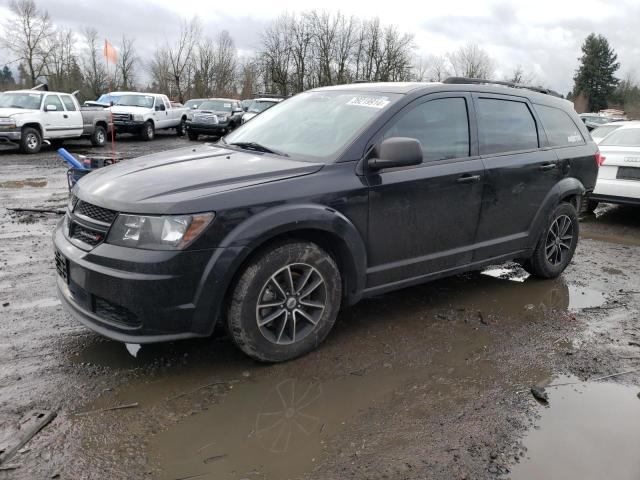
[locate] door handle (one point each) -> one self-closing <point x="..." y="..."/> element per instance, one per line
<point x="468" y="178"/>
<point x="66" y="116"/>
<point x="545" y="167"/>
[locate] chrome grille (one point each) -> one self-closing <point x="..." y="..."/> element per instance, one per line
<point x="121" y="117"/>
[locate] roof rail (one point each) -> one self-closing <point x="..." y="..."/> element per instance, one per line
<point x="481" y="81"/>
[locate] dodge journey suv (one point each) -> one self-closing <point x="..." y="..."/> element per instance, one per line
<point x="331" y="196"/>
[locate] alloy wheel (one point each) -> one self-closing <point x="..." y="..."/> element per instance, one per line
<point x="291" y="303"/>
<point x="32" y="141"/>
<point x="559" y="240"/>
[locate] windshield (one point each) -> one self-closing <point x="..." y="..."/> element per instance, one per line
<point x="215" y="105"/>
<point x="107" y="98"/>
<point x="29" y="101"/>
<point x="258" y="106"/>
<point x="313" y="125"/>
<point x="145" y="101"/>
<point x="603" y="131"/>
<point x="194" y="103"/>
<point x="623" y="137"/>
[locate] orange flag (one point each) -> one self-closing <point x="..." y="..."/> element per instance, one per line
<point x="110" y="53"/>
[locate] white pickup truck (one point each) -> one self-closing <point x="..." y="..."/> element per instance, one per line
<point x="144" y="113"/>
<point x="30" y="117"/>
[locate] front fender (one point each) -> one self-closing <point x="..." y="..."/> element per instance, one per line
<point x="567" y="187"/>
<point x="257" y="230"/>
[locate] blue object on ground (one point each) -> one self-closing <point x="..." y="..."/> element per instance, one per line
<point x="70" y="159"/>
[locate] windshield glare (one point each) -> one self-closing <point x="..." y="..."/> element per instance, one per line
<point x="313" y="125"/>
<point x="145" y="101"/>
<point x="216" y="105"/>
<point x="260" y="106"/>
<point x="29" y="101"/>
<point x="107" y="98"/>
<point x="623" y="137"/>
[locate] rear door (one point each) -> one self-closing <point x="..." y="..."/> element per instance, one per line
<point x="423" y="219"/>
<point x="520" y="169"/>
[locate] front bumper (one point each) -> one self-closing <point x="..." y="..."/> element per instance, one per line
<point x="208" y="128"/>
<point x="10" y="135"/>
<point x="138" y="296"/>
<point x="127" y="126"/>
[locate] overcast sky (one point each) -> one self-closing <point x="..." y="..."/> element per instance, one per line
<point x="543" y="36"/>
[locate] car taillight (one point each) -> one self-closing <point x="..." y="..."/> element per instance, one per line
<point x="600" y="159"/>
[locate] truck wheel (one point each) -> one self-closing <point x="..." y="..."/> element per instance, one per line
<point x="30" y="141"/>
<point x="193" y="136"/>
<point x="148" y="132"/>
<point x="557" y="243"/>
<point x="285" y="302"/>
<point x="181" y="128"/>
<point x="99" y="137"/>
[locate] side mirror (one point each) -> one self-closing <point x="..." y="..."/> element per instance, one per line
<point x="246" y="109"/>
<point x="50" y="108"/>
<point x="397" y="152"/>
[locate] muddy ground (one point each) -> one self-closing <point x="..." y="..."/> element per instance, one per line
<point x="429" y="382"/>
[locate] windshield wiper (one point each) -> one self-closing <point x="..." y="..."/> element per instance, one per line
<point x="257" y="147"/>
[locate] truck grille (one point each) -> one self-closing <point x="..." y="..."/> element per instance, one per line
<point x="121" y="117"/>
<point x="103" y="215"/>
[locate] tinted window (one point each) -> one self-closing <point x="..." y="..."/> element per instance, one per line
<point x="623" y="137"/>
<point x="53" y="100"/>
<point x="505" y="126"/>
<point x="560" y="129"/>
<point x="441" y="126"/>
<point x="68" y="103"/>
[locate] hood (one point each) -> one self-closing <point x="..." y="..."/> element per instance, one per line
<point x="176" y="181"/>
<point x="6" y="112"/>
<point x="133" y="110"/>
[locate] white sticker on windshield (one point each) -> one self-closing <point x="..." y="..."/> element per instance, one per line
<point x="369" y="101"/>
<point x="227" y="105"/>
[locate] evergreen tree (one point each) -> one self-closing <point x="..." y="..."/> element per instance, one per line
<point x="594" y="76"/>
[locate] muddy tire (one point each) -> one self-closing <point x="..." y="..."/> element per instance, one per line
<point x="181" y="129"/>
<point x="193" y="136"/>
<point x="557" y="243"/>
<point x="30" y="141"/>
<point x="284" y="302"/>
<point x="148" y="131"/>
<point x="99" y="136"/>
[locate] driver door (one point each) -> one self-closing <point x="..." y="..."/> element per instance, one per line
<point x="423" y="219"/>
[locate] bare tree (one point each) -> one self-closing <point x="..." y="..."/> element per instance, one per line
<point x="225" y="65"/>
<point x="61" y="61"/>
<point x="93" y="66"/>
<point x="161" y="72"/>
<point x="519" y="75"/>
<point x="276" y="55"/>
<point x="125" y="68"/>
<point x="29" y="35"/>
<point x="472" y="62"/>
<point x="180" y="56"/>
<point x="249" y="77"/>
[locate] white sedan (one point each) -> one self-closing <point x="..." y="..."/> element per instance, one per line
<point x="619" y="173"/>
<point x="598" y="133"/>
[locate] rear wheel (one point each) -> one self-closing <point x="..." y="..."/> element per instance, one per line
<point x="99" y="137"/>
<point x="30" y="141"/>
<point x="148" y="131"/>
<point x="557" y="243"/>
<point x="182" y="127"/>
<point x="285" y="302"/>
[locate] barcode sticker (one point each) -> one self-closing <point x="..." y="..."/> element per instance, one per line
<point x="369" y="101"/>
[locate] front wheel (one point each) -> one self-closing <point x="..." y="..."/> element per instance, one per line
<point x="148" y="131"/>
<point x="557" y="243"/>
<point x="285" y="302"/>
<point x="30" y="141"/>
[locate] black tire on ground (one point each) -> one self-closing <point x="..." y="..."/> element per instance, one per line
<point x="193" y="136"/>
<point x="308" y="308"/>
<point x="557" y="243"/>
<point x="99" y="136"/>
<point x="182" y="127"/>
<point x="30" y="141"/>
<point x="591" y="206"/>
<point x="148" y="131"/>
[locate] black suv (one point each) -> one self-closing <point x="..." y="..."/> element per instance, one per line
<point x="214" y="116"/>
<point x="333" y="195"/>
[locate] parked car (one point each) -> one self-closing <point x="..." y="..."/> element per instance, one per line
<point x="334" y="195"/>
<point x="29" y="117"/>
<point x="194" y="103"/>
<point x="619" y="173"/>
<point x="105" y="100"/>
<point x="594" y="120"/>
<point x="599" y="133"/>
<point x="144" y="113"/>
<point x="215" y="116"/>
<point x="258" y="106"/>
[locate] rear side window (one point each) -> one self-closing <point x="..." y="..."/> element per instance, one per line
<point x="441" y="126"/>
<point x="560" y="129"/>
<point x="505" y="126"/>
<point x="68" y="103"/>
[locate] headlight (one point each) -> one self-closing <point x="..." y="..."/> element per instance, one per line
<point x="7" y="123"/>
<point x="138" y="118"/>
<point x="168" y="232"/>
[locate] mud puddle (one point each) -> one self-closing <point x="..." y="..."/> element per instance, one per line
<point x="27" y="182"/>
<point x="589" y="431"/>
